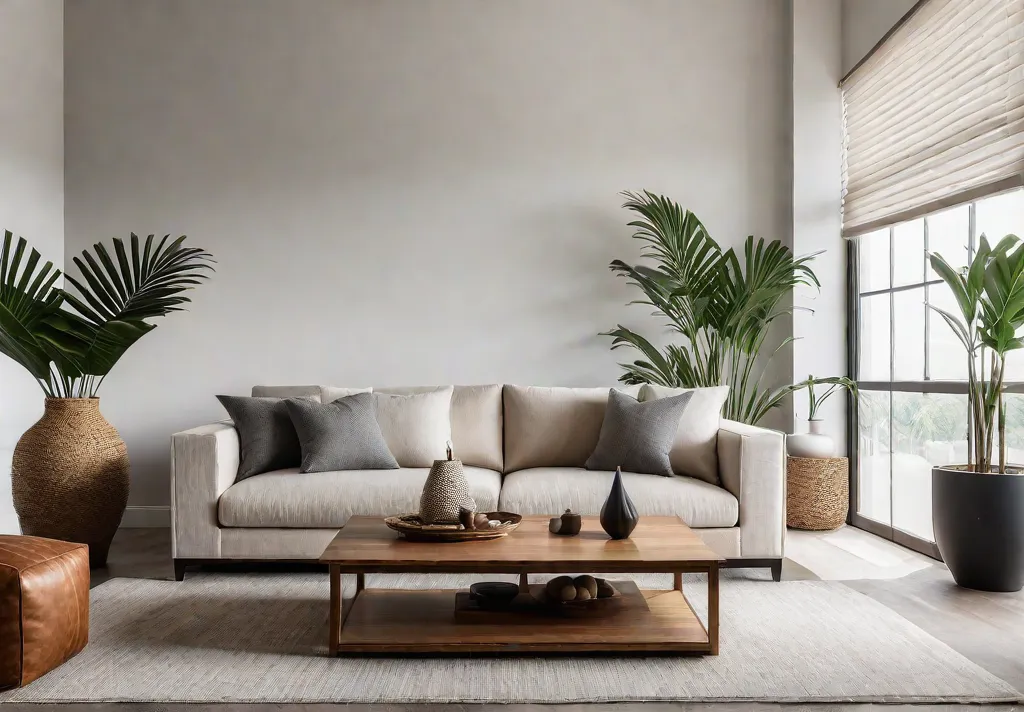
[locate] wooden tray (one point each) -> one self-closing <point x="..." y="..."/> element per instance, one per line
<point x="411" y="528"/>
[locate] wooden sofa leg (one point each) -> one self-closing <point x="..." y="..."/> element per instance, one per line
<point x="179" y="569"/>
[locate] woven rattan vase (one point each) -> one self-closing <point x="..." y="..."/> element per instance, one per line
<point x="70" y="476"/>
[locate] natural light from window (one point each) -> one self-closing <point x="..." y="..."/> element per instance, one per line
<point x="912" y="410"/>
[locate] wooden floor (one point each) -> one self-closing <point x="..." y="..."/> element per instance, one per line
<point x="986" y="628"/>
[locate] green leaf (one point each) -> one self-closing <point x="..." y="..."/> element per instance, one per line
<point x="721" y="304"/>
<point x="117" y="298"/>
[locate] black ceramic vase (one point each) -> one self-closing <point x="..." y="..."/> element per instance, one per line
<point x="618" y="515"/>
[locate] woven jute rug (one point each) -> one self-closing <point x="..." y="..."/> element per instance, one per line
<point x="262" y="638"/>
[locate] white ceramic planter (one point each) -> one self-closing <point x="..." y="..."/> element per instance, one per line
<point x="814" y="443"/>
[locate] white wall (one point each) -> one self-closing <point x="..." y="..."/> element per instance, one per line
<point x="31" y="184"/>
<point x="820" y="320"/>
<point x="864" y="22"/>
<point x="405" y="192"/>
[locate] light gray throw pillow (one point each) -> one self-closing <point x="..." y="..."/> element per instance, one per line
<point x="340" y="435"/>
<point x="638" y="436"/>
<point x="266" y="436"/>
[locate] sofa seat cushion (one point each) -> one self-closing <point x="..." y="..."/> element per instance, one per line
<point x="289" y="499"/>
<point x="550" y="490"/>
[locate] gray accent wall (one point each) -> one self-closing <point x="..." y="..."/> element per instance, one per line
<point x="407" y="192"/>
<point x="31" y="184"/>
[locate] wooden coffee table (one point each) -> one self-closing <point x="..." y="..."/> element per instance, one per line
<point x="423" y="621"/>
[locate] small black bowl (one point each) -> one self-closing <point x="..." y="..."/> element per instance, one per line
<point x="494" y="592"/>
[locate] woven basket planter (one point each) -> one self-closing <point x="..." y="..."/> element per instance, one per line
<point x="817" y="492"/>
<point x="69" y="476"/>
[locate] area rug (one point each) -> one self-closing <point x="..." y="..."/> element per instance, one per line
<point x="262" y="638"/>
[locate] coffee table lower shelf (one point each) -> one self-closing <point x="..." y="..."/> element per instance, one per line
<point x="400" y="622"/>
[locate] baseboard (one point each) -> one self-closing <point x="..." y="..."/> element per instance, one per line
<point x="139" y="517"/>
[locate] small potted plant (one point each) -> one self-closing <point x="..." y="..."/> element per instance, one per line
<point x="815" y="442"/>
<point x="978" y="507"/>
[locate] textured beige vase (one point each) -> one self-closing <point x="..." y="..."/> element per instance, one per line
<point x="444" y="493"/>
<point x="70" y="476"/>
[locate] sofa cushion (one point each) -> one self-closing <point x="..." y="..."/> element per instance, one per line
<point x="340" y="435"/>
<point x="476" y="422"/>
<point x="638" y="436"/>
<point x="550" y="490"/>
<point x="333" y="393"/>
<point x="553" y="427"/>
<point x="416" y="427"/>
<point x="266" y="436"/>
<point x="286" y="392"/>
<point x="288" y="499"/>
<point x="695" y="451"/>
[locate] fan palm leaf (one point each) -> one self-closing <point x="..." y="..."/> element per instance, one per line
<point x="27" y="299"/>
<point x="117" y="294"/>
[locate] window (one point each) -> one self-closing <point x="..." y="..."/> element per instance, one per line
<point x="911" y="370"/>
<point x="932" y="117"/>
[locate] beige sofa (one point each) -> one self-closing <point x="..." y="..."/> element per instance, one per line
<point x="523" y="449"/>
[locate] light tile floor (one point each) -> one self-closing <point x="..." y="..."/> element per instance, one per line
<point x="849" y="554"/>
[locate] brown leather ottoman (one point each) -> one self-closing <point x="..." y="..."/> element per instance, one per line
<point x="44" y="606"/>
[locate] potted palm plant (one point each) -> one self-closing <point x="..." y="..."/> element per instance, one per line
<point x="815" y="442"/>
<point x="723" y="309"/>
<point x="978" y="507"/>
<point x="69" y="475"/>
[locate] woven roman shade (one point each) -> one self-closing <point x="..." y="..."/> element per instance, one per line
<point x="935" y="116"/>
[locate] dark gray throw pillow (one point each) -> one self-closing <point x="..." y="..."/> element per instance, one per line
<point x="340" y="435"/>
<point x="266" y="436"/>
<point x="638" y="436"/>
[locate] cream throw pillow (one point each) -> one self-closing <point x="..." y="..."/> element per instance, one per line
<point x="695" y="450"/>
<point x="416" y="427"/>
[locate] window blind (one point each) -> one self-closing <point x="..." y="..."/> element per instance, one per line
<point x="935" y="116"/>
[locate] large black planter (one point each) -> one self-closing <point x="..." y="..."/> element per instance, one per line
<point x="979" y="527"/>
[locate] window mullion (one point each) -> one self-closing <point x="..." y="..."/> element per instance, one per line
<point x="927" y="320"/>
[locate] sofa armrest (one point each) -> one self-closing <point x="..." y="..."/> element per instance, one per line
<point x="204" y="462"/>
<point x="752" y="465"/>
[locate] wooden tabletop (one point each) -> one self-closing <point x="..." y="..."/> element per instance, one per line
<point x="658" y="544"/>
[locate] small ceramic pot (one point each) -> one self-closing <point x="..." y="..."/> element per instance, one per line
<point x="814" y="443"/>
<point x="569" y="524"/>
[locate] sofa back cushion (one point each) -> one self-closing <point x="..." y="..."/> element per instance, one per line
<point x="695" y="450"/>
<point x="329" y="394"/>
<point x="476" y="422"/>
<point x="553" y="427"/>
<point x="286" y="392"/>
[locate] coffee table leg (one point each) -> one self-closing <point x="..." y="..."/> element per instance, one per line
<point x="335" y="616"/>
<point x="713" y="607"/>
<point x="677" y="582"/>
<point x="524" y="583"/>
